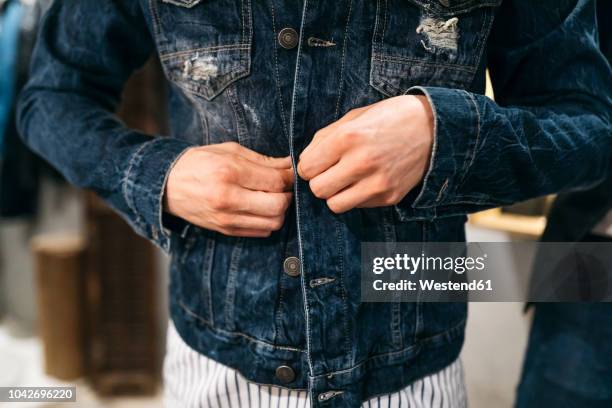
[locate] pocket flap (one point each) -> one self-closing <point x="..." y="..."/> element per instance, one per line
<point x="183" y="3"/>
<point x="453" y="7"/>
<point x="208" y="71"/>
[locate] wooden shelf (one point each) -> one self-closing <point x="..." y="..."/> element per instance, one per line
<point x="525" y="225"/>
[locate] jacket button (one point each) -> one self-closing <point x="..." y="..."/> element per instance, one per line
<point x="288" y="38"/>
<point x="292" y="266"/>
<point x="285" y="374"/>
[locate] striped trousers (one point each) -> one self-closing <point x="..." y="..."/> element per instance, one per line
<point x="192" y="380"/>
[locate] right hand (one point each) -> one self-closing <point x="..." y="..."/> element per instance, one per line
<point x="230" y="189"/>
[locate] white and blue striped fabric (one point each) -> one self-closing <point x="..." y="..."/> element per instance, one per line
<point x="192" y="380"/>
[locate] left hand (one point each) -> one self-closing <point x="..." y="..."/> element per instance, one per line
<point x="373" y="156"/>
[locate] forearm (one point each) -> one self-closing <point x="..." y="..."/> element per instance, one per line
<point x="94" y="150"/>
<point x="549" y="128"/>
<point x="66" y="111"/>
<point x="486" y="155"/>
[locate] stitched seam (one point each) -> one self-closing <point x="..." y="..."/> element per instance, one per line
<point x="400" y="59"/>
<point x="341" y="83"/>
<point x="347" y="343"/>
<point x="442" y="190"/>
<point x="230" y="296"/>
<point x="277" y="72"/>
<point x="160" y="198"/>
<point x="240" y="128"/>
<point x="166" y="56"/>
<point x="155" y="16"/>
<point x="189" y="86"/>
<point x="475" y="148"/>
<point x="457" y="9"/>
<point x="278" y="313"/>
<point x="296" y="189"/>
<point x="126" y="179"/>
<point x="242" y="17"/>
<point x="208" y="262"/>
<point x="421" y="343"/>
<point x="434" y="149"/>
<point x="182" y="3"/>
<point x="384" y="27"/>
<point x="374" y="42"/>
<point x="234" y="333"/>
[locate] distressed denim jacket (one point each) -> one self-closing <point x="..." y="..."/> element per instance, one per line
<point x="268" y="74"/>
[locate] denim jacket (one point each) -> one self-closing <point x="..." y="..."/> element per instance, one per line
<point x="268" y="74"/>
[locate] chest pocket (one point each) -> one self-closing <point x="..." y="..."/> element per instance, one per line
<point x="428" y="43"/>
<point x="204" y="45"/>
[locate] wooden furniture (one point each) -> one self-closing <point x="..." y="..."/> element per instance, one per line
<point x="59" y="263"/>
<point x="122" y="293"/>
<point x="122" y="276"/>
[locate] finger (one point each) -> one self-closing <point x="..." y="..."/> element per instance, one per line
<point x="331" y="128"/>
<point x="321" y="157"/>
<point x="268" y="161"/>
<point x="374" y="202"/>
<point x="349" y="198"/>
<point x="248" y="233"/>
<point x="257" y="177"/>
<point x="252" y="222"/>
<point x="263" y="204"/>
<point x="335" y="179"/>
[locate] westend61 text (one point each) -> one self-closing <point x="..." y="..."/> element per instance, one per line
<point x="432" y="285"/>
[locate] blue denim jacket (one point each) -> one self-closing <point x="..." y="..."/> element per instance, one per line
<point x="232" y="80"/>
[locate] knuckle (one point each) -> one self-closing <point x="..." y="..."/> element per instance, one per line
<point x="278" y="182"/>
<point x="280" y="206"/>
<point x="277" y="223"/>
<point x="225" y="172"/>
<point x="362" y="165"/>
<point x="334" y="206"/>
<point x="383" y="183"/>
<point x="223" y="220"/>
<point x="348" y="135"/>
<point x="392" y="198"/>
<point x="218" y="198"/>
<point x="316" y="189"/>
<point x="303" y="170"/>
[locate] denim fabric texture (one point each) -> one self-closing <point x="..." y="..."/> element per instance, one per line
<point x="569" y="358"/>
<point x="232" y="81"/>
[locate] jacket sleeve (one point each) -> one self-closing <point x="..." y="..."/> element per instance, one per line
<point x="549" y="128"/>
<point x="85" y="52"/>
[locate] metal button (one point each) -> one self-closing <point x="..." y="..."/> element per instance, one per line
<point x="288" y="38"/>
<point x="292" y="266"/>
<point x="285" y="374"/>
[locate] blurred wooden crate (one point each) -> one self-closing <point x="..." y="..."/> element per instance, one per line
<point x="124" y="353"/>
<point x="122" y="298"/>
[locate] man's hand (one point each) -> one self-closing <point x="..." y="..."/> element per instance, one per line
<point x="230" y="189"/>
<point x="371" y="157"/>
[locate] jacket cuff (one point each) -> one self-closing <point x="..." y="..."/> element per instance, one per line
<point x="456" y="130"/>
<point x="144" y="184"/>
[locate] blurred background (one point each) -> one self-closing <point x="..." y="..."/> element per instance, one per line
<point x="79" y="307"/>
